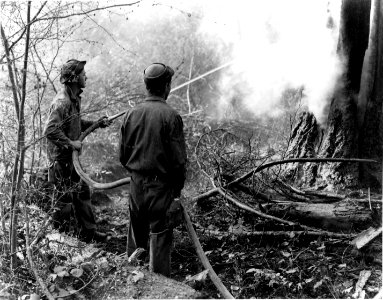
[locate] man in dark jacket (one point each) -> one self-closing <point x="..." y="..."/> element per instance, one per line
<point x="152" y="149"/>
<point x="63" y="128"/>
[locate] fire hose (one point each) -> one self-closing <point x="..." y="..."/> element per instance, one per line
<point x="79" y="169"/>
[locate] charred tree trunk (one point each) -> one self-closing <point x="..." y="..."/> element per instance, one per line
<point x="354" y="125"/>
<point x="304" y="140"/>
<point x="370" y="100"/>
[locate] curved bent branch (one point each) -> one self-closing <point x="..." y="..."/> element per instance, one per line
<point x="202" y="256"/>
<point x="215" y="191"/>
<point x="84" y="176"/>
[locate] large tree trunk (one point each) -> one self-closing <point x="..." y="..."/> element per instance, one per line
<point x="354" y="126"/>
<point x="370" y="101"/>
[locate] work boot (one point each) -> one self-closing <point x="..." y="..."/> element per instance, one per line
<point x="159" y="254"/>
<point x="93" y="235"/>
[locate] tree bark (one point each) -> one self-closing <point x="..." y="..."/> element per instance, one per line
<point x="355" y="120"/>
<point x="341" y="133"/>
<point x="370" y="100"/>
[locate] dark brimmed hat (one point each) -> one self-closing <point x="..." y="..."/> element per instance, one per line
<point x="158" y="73"/>
<point x="70" y="69"/>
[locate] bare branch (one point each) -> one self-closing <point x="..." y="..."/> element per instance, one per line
<point x="10" y="71"/>
<point x="85" y="12"/>
<point x="30" y="257"/>
<point x="215" y="191"/>
<point x="24" y="30"/>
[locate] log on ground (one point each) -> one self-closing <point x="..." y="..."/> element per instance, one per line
<point x="342" y="216"/>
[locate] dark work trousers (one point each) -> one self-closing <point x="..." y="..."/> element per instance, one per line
<point x="150" y="199"/>
<point x="72" y="194"/>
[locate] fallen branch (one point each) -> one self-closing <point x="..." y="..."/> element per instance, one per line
<point x="41" y="233"/>
<point x="252" y="210"/>
<point x="366" y="236"/>
<point x="308" y="196"/>
<point x="247" y="190"/>
<point x="202" y="256"/>
<point x="291" y="192"/>
<point x="366" y="201"/>
<point x="324" y="194"/>
<point x="215" y="191"/>
<point x="290" y="233"/>
<point x="363" y="277"/>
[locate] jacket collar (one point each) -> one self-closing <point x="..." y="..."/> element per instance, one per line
<point x="154" y="98"/>
<point x="71" y="94"/>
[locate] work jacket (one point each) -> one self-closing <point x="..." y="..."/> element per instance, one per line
<point x="152" y="141"/>
<point x="64" y="124"/>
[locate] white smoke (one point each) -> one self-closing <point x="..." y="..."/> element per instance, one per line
<point x="277" y="44"/>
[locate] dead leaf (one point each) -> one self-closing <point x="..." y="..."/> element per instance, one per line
<point x="272" y="282"/>
<point x="347" y="283"/>
<point x="137" y="275"/>
<point x="59" y="269"/>
<point x="321" y="247"/>
<point x="77" y="272"/>
<point x="62" y="274"/>
<point x="318" y="284"/>
<point x="309" y="280"/>
<point x="291" y="271"/>
<point x="348" y="290"/>
<point x="62" y="293"/>
<point x="52" y="277"/>
<point x="286" y="254"/>
<point x="234" y="288"/>
<point x="52" y="288"/>
<point x="200" y="277"/>
<point x="252" y="270"/>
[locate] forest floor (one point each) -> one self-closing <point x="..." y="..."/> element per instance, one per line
<point x="261" y="266"/>
<point x="255" y="266"/>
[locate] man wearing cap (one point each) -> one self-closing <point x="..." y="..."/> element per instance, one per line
<point x="152" y="149"/>
<point x="63" y="128"/>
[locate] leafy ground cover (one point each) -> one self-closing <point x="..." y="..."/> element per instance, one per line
<point x="260" y="266"/>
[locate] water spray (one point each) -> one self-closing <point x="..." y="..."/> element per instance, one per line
<point x="201" y="76"/>
<point x="183" y="85"/>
